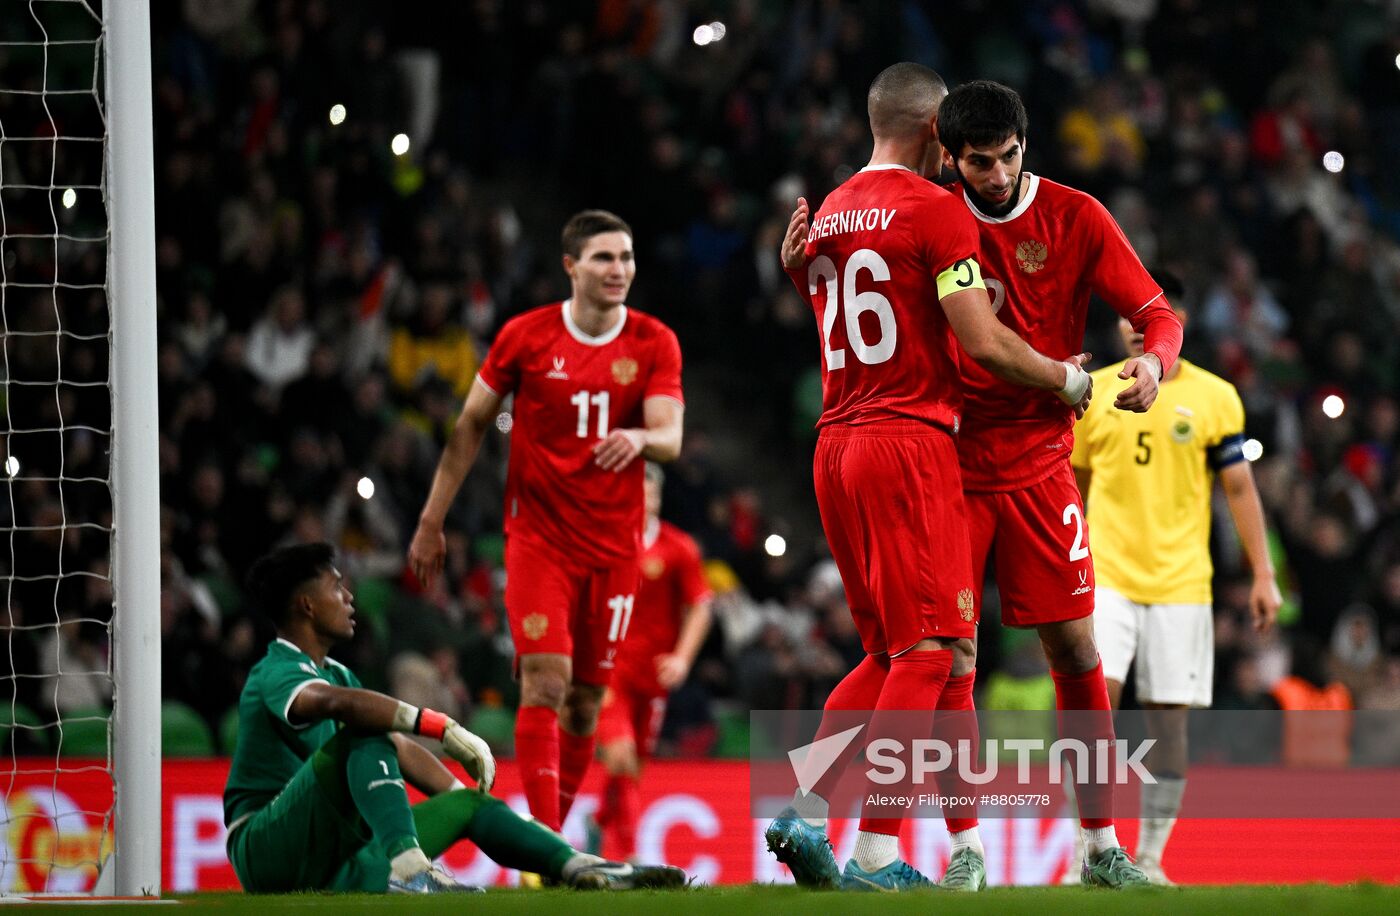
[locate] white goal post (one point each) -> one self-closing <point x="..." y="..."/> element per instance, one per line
<point x="80" y="567"/>
<point x="131" y="290"/>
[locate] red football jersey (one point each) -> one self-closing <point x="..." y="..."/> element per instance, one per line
<point x="1041" y="261"/>
<point x="570" y="391"/>
<point x="875" y="250"/>
<point x="672" y="580"/>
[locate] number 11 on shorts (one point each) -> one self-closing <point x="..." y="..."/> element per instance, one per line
<point x="621" y="607"/>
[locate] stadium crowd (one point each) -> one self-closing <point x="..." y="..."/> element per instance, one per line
<point x="324" y="303"/>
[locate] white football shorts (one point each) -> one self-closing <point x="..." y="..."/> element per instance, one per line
<point x="1172" y="644"/>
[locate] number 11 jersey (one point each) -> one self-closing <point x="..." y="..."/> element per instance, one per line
<point x="571" y="389"/>
<point x="880" y="250"/>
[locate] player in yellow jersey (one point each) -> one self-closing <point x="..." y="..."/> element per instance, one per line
<point x="1152" y="604"/>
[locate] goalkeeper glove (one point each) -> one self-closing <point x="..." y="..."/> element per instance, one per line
<point x="461" y="745"/>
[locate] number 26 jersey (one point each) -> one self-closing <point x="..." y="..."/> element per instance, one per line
<point x="572" y="389"/>
<point x="879" y="251"/>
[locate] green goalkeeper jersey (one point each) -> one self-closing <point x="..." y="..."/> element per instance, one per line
<point x="270" y="748"/>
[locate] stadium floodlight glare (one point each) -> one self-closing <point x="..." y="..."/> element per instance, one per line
<point x="1333" y="406"/>
<point x="337" y="115"/>
<point x="1253" y="450"/>
<point x="775" y="545"/>
<point x="365" y="487"/>
<point x="70" y="197"/>
<point x="1333" y="161"/>
<point x="703" y="34"/>
<point x="11" y="466"/>
<point x="399" y="145"/>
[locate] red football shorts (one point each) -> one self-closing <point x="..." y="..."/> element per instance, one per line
<point x="557" y="607"/>
<point x="1040" y="543"/>
<point x="891" y="501"/>
<point x="630" y="715"/>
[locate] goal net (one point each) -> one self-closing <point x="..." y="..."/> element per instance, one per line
<point x="60" y="690"/>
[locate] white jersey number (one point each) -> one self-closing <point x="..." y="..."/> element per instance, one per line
<point x="998" y="291"/>
<point x="583" y="400"/>
<point x="1077" y="550"/>
<point x="823" y="270"/>
<point x="621" y="607"/>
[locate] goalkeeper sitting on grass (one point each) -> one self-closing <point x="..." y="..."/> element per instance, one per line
<point x="315" y="797"/>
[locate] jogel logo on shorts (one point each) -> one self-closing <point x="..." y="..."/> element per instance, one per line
<point x="535" y="626"/>
<point x="966" y="604"/>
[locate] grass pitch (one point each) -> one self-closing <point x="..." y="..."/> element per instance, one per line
<point x="1295" y="900"/>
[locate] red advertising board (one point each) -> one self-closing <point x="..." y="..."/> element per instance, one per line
<point x="695" y="814"/>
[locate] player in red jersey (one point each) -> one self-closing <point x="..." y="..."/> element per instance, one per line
<point x="889" y="265"/>
<point x="662" y="638"/>
<point x="596" y="386"/>
<point x="1045" y="248"/>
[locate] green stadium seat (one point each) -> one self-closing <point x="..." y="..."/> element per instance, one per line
<point x="228" y="732"/>
<point x="733" y="740"/>
<point x="82" y="733"/>
<point x="183" y="733"/>
<point x="496" y="726"/>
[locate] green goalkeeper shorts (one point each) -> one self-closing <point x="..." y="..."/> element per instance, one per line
<point x="305" y="840"/>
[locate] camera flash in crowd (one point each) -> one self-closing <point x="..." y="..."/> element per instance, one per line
<point x="1333" y="406"/>
<point x="337" y="115"/>
<point x="1333" y="161"/>
<point x="11" y="466"/>
<point x="399" y="145"/>
<point x="70" y="197"/>
<point x="775" y="545"/>
<point x="1253" y="450"/>
<point x="365" y="488"/>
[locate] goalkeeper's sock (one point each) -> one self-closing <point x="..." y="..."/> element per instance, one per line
<point x="905" y="712"/>
<point x="537" y="751"/>
<point x="1083" y="712"/>
<point x="857" y="692"/>
<point x="575" y="754"/>
<point x="622" y="801"/>
<point x="377" y="789"/>
<point x="956" y="722"/>
<point x="1161" y="801"/>
<point x="507" y="838"/>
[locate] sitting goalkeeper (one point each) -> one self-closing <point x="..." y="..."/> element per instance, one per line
<point x="315" y="797"/>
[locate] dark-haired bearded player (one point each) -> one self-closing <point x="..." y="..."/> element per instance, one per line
<point x="1045" y="249"/>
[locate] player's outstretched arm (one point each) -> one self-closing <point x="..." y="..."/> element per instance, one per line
<point x="376" y="713"/>
<point x="429" y="546"/>
<point x="659" y="441"/>
<point x="996" y="348"/>
<point x="1248" y="512"/>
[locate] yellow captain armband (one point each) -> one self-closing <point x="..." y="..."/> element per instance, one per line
<point x="964" y="274"/>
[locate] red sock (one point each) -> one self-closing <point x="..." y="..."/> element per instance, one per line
<point x="537" y="753"/>
<point x="912" y="690"/>
<point x="575" y="754"/>
<point x="623" y="800"/>
<point x="957" y="721"/>
<point x="1083" y="711"/>
<point x="858" y="691"/>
